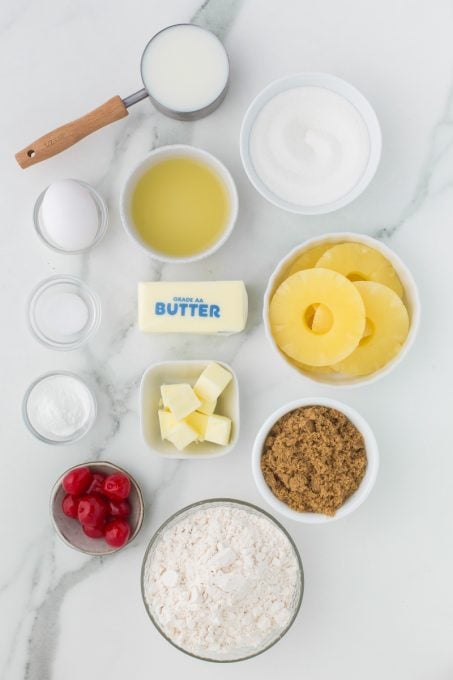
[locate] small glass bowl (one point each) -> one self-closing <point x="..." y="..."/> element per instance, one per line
<point x="41" y="295"/>
<point x="103" y="221"/>
<point x="239" y="655"/>
<point x="81" y="432"/>
<point x="70" y="531"/>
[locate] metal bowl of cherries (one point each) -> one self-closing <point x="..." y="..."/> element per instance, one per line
<point x="97" y="508"/>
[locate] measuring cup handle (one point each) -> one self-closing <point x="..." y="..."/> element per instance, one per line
<point x="65" y="136"/>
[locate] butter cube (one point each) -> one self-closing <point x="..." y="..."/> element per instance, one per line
<point x="182" y="435"/>
<point x="198" y="421"/>
<point x="218" y="430"/>
<point x="207" y="407"/>
<point x="167" y="422"/>
<point x="192" y="306"/>
<point x="212" y="382"/>
<point x="179" y="399"/>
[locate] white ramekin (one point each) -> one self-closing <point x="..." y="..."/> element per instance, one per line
<point x="185" y="371"/>
<point x="329" y="82"/>
<point x="411" y="300"/>
<point x="172" y="151"/>
<point x="357" y="498"/>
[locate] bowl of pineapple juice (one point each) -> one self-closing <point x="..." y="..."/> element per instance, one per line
<point x="309" y="253"/>
<point x="179" y="204"/>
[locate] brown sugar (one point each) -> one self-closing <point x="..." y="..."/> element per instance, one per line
<point x="313" y="459"/>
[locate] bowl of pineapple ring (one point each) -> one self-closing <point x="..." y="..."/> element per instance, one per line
<point x="342" y="309"/>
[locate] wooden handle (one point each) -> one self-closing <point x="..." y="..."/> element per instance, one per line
<point x="65" y="136"/>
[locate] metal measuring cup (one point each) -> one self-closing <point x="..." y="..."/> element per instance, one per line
<point x="112" y="110"/>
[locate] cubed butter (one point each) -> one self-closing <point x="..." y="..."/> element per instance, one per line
<point x="212" y="382"/>
<point x="180" y="399"/>
<point x="198" y="421"/>
<point x="218" y="430"/>
<point x="207" y="407"/>
<point x="192" y="307"/>
<point x="182" y="435"/>
<point x="167" y="422"/>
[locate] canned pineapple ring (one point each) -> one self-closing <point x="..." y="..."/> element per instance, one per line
<point x="291" y="310"/>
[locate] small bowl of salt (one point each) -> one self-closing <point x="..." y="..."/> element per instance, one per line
<point x="63" y="312"/>
<point x="59" y="408"/>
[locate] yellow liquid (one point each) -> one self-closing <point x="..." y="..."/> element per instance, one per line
<point x="180" y="207"/>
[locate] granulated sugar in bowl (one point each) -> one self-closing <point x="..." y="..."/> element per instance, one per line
<point x="222" y="580"/>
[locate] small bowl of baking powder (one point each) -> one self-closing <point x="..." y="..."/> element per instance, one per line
<point x="59" y="408"/>
<point x="222" y="580"/>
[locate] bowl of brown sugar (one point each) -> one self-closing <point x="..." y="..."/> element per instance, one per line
<point x="315" y="460"/>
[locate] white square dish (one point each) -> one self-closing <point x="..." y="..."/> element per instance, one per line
<point x="166" y="372"/>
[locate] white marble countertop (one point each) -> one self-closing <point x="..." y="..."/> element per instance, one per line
<point x="379" y="594"/>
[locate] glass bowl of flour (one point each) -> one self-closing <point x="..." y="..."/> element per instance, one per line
<point x="222" y="580"/>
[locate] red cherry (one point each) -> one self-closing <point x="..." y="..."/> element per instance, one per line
<point x="69" y="506"/>
<point x="117" y="532"/>
<point x="92" y="511"/>
<point x="77" y="481"/>
<point x="117" y="486"/>
<point x="96" y="484"/>
<point x="119" y="508"/>
<point x="92" y="532"/>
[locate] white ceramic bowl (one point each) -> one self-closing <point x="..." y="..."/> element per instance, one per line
<point x="411" y="300"/>
<point x="354" y="501"/>
<point x="340" y="87"/>
<point x="172" y="151"/>
<point x="184" y="372"/>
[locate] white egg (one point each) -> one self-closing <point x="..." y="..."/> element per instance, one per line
<point x="69" y="215"/>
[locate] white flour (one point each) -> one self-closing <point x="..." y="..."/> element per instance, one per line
<point x="222" y="579"/>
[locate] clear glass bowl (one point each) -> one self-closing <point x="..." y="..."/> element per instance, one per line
<point x="40" y="312"/>
<point x="103" y="221"/>
<point x="236" y="655"/>
<point x="70" y="531"/>
<point x="81" y="432"/>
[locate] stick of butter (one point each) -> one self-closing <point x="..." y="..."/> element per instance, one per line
<point x="192" y="307"/>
